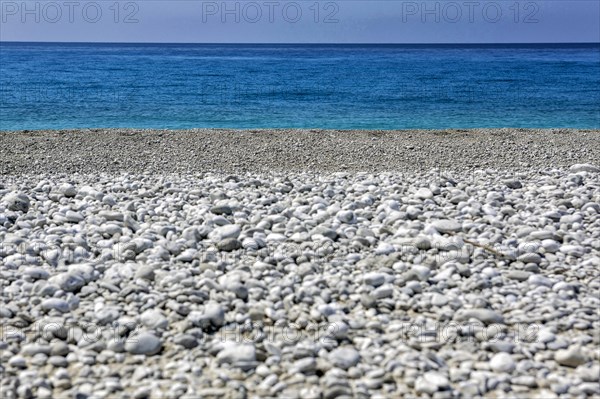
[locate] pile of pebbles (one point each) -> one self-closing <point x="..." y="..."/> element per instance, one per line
<point x="301" y="285"/>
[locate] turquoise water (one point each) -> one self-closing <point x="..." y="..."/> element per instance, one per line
<point x="56" y="86"/>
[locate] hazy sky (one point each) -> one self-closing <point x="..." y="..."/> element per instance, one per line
<point x="301" y="21"/>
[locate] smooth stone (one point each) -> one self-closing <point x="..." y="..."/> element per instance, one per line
<point x="431" y="382"/>
<point x="570" y="219"/>
<point x="422" y="243"/>
<point x="34" y="349"/>
<point x="227" y="231"/>
<point x="513" y="184"/>
<point x="383" y="291"/>
<point x="212" y="316"/>
<point x="67" y="190"/>
<point x="530" y="258"/>
<point x="59" y="348"/>
<point x="239" y="290"/>
<point x="570" y="357"/>
<point x="501" y="346"/>
<point x="424" y="193"/>
<point x="154" y="319"/>
<point x="573" y="250"/>
<point x="421" y="273"/>
<point x="325" y="232"/>
<point x="346" y="216"/>
<point x="384" y="249"/>
<point x="68" y="281"/>
<point x="550" y="246"/>
<point x="73" y="217"/>
<point x="143" y="344"/>
<point x="447" y="226"/>
<point x="55" y="304"/>
<point x="502" y="363"/>
<point x="229" y="244"/>
<point x="374" y="279"/>
<point x="145" y="271"/>
<point x="525" y="380"/>
<point x="17" y="202"/>
<point x="545" y="336"/>
<point x="36" y="273"/>
<point x="438" y="300"/>
<point x="344" y="357"/>
<point x="238" y="355"/>
<point x="519" y="275"/>
<point x="584" y="167"/>
<point x="367" y="301"/>
<point x="305" y="365"/>
<point x="186" y="340"/>
<point x="18" y="362"/>
<point x="537" y="279"/>
<point x="111" y="216"/>
<point x="486" y="316"/>
<point x="221" y="210"/>
<point x="186" y="256"/>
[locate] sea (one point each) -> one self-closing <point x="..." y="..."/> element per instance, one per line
<point x="250" y="86"/>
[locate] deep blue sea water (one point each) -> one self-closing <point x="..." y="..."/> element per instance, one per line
<point x="55" y="86"/>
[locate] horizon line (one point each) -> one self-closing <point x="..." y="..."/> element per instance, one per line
<point x="309" y="43"/>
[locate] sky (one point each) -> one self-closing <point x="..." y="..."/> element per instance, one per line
<point x="301" y="21"/>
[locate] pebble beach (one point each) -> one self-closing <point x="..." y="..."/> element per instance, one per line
<point x="300" y="264"/>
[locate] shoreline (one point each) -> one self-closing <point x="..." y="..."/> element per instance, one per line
<point x="151" y="151"/>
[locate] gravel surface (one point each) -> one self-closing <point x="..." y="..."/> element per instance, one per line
<point x="189" y="151"/>
<point x="132" y="279"/>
